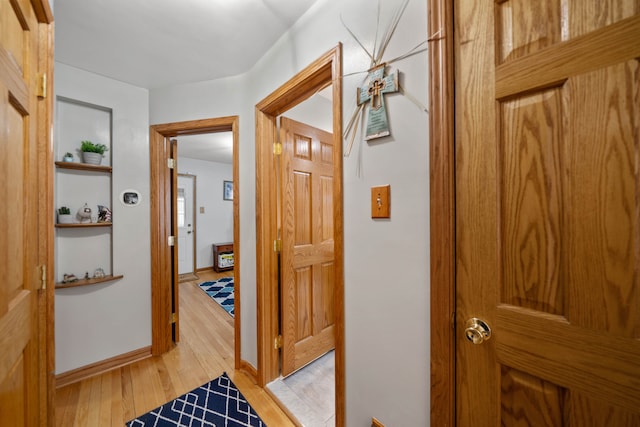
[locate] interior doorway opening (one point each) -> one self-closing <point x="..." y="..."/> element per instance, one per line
<point x="163" y="148"/>
<point x="322" y="73"/>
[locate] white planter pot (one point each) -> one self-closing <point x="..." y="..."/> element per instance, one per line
<point x="65" y="219"/>
<point x="92" y="158"/>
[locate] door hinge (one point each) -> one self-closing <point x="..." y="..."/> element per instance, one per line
<point x="277" y="245"/>
<point x="277" y="342"/>
<point x="171" y="240"/>
<point x="43" y="277"/>
<point x="174" y="317"/>
<point x="277" y="148"/>
<point x="42" y="86"/>
<point x="171" y="163"/>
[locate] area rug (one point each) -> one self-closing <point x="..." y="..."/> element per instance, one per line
<point x="215" y="404"/>
<point x="221" y="291"/>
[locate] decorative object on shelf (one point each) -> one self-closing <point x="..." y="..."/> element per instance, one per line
<point x="98" y="274"/>
<point x="84" y="214"/>
<point x="69" y="278"/>
<point x="68" y="157"/>
<point x="104" y="214"/>
<point x="92" y="153"/>
<point x="86" y="276"/>
<point x="64" y="215"/>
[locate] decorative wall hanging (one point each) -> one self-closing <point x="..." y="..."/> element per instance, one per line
<point x="376" y="84"/>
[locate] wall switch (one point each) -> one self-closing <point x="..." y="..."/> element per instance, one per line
<point x="381" y="201"/>
<point x="201" y="209"/>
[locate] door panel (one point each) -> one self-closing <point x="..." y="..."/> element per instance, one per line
<point x="547" y="226"/>
<point x="22" y="329"/>
<point x="307" y="244"/>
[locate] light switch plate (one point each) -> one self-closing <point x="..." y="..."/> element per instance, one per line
<point x="381" y="201"/>
<point x="201" y="209"/>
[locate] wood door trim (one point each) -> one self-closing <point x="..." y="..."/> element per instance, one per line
<point x="160" y="200"/>
<point x="324" y="71"/>
<point x="442" y="211"/>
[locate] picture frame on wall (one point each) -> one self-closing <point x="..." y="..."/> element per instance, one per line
<point x="227" y="190"/>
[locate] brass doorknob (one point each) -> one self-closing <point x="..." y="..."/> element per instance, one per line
<point x="477" y="331"/>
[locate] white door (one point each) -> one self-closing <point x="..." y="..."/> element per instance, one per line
<point x="186" y="225"/>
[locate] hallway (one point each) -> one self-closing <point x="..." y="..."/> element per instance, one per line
<point x="204" y="353"/>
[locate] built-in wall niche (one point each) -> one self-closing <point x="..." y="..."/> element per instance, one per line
<point x="83" y="242"/>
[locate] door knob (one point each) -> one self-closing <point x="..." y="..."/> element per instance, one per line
<point x="477" y="331"/>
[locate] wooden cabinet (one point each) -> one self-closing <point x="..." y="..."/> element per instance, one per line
<point x="223" y="256"/>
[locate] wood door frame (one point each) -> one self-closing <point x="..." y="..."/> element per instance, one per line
<point x="46" y="257"/>
<point x="324" y="71"/>
<point x="442" y="210"/>
<point x="160" y="199"/>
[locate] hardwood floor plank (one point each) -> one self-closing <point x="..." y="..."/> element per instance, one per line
<point x="205" y="351"/>
<point x="115" y="402"/>
<point x="127" y="398"/>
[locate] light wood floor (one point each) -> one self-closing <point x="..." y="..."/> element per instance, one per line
<point x="205" y="351"/>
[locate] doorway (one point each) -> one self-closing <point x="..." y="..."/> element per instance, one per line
<point x="322" y="73"/>
<point x="163" y="224"/>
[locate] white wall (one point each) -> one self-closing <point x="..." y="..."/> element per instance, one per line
<point x="96" y="322"/>
<point x="215" y="225"/>
<point x="386" y="262"/>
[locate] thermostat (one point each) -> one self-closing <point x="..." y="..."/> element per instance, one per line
<point x="130" y="198"/>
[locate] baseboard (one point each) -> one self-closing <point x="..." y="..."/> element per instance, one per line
<point x="101" y="367"/>
<point x="249" y="370"/>
<point x="199" y="270"/>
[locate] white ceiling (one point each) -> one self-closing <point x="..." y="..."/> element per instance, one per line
<point x="155" y="43"/>
<point x="212" y="147"/>
<point x="159" y="43"/>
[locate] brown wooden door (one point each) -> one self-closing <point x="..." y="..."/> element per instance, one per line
<point x="24" y="375"/>
<point x="175" y="288"/>
<point x="548" y="212"/>
<point x="307" y="244"/>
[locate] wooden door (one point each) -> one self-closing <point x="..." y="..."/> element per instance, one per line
<point x="307" y="244"/>
<point x="24" y="151"/>
<point x="548" y="212"/>
<point x="175" y="287"/>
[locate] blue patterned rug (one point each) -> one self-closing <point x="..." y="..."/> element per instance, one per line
<point x="221" y="291"/>
<point x="215" y="404"/>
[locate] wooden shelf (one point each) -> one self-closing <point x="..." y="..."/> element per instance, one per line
<point x="87" y="282"/>
<point x="83" y="167"/>
<point x="85" y="225"/>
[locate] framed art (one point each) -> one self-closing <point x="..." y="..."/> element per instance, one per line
<point x="227" y="190"/>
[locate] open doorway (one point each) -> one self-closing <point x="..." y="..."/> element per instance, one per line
<point x="271" y="233"/>
<point x="164" y="225"/>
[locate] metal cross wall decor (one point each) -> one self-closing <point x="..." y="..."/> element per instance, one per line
<point x="379" y="84"/>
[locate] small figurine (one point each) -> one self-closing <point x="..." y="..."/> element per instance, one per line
<point x="69" y="278"/>
<point x="84" y="214"/>
<point x="104" y="214"/>
<point x="98" y="274"/>
<point x="86" y="276"/>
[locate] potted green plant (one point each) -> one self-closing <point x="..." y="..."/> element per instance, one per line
<point x="92" y="153"/>
<point x="64" y="215"/>
<point x="68" y="157"/>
